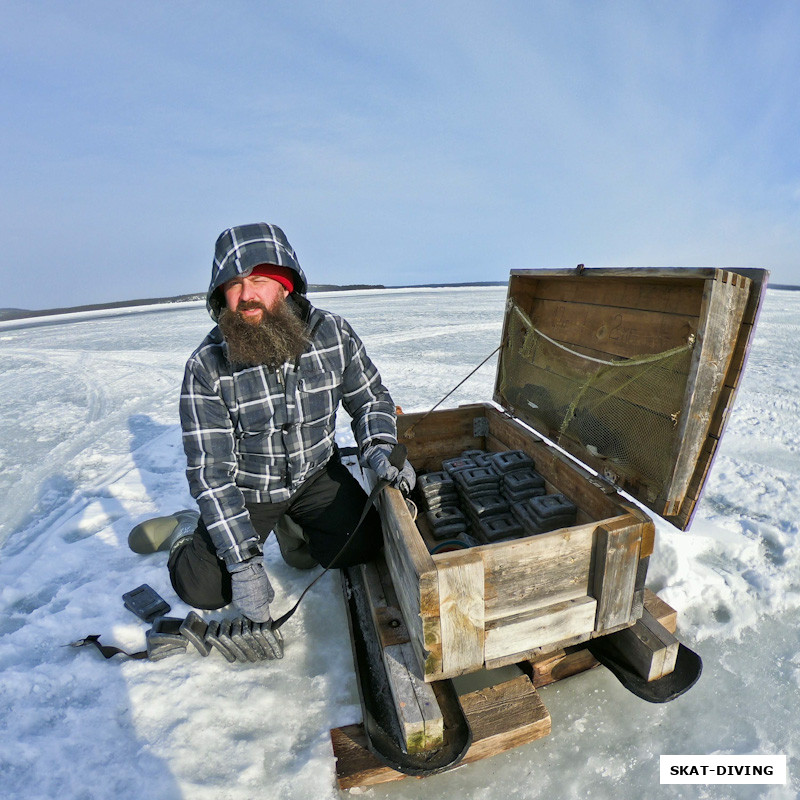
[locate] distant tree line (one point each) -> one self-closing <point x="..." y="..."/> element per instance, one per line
<point x="23" y="313"/>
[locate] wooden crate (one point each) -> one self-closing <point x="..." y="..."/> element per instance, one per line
<point x="501" y="603"/>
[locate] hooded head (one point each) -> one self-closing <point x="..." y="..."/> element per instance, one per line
<point x="240" y="249"/>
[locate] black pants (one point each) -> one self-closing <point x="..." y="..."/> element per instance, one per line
<point x="327" y="507"/>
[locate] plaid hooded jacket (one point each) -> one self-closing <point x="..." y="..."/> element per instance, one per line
<point x="255" y="434"/>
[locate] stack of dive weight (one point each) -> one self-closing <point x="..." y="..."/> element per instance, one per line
<point x="481" y="497"/>
<point x="237" y="639"/>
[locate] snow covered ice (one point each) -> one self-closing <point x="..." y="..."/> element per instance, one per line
<point x="90" y="446"/>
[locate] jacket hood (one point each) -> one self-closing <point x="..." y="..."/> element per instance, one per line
<point x="241" y="248"/>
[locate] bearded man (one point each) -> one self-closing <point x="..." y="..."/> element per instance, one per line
<point x="258" y="412"/>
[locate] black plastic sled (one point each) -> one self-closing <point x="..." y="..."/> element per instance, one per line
<point x="688" y="668"/>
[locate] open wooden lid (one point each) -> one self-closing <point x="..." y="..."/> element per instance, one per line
<point x="632" y="371"/>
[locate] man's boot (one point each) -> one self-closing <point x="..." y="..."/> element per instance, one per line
<point x="161" y="533"/>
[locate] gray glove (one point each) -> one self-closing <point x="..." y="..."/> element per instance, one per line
<point x="376" y="457"/>
<point x="252" y="591"/>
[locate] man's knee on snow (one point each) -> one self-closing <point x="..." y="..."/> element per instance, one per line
<point x="293" y="544"/>
<point x="199" y="578"/>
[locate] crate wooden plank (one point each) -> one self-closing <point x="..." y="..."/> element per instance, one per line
<point x="618" y="332"/>
<point x="759" y="278"/>
<point x="538" y="652"/>
<point x="648" y="529"/>
<point x="461" y="606"/>
<point x="641" y="649"/>
<point x="502" y="717"/>
<point x="416" y="706"/>
<point x="400" y="679"/>
<point x="651" y="273"/>
<point x="551" y="624"/>
<point x="647" y="647"/>
<point x="430" y="439"/>
<point x="704" y="461"/>
<point x="560" y="664"/>
<point x="356" y="766"/>
<point x="661" y="610"/>
<point x="724" y="304"/>
<point x="637" y="607"/>
<point x="414" y="577"/>
<point x="697" y="483"/>
<point x="683" y="297"/>
<point x="669" y="644"/>
<point x="740" y="353"/>
<point x="521" y="320"/>
<point x="616" y="563"/>
<point x="720" y="416"/>
<point x="530" y="573"/>
<point x="563" y="663"/>
<point x="725" y="403"/>
<point x="406" y="708"/>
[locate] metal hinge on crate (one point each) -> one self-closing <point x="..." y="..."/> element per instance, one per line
<point x="604" y="484"/>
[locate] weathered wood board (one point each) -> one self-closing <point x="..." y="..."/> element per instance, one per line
<point x="565" y="662"/>
<point x="529" y="573"/>
<point x="647" y="647"/>
<point x="461" y="606"/>
<point x="617" y="560"/>
<point x="759" y="279"/>
<point x="415" y="579"/>
<point x="415" y="704"/>
<point x="724" y="304"/>
<point x="562" y="621"/>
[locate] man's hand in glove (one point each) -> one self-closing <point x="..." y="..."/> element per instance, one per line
<point x="252" y="591"/>
<point x="376" y="457"/>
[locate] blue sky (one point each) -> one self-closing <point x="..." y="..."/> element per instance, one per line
<point x="395" y="143"/>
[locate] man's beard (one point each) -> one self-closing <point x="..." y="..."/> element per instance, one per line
<point x="279" y="336"/>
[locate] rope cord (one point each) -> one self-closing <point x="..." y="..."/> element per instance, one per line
<point x="409" y="434"/>
<point x="627" y="362"/>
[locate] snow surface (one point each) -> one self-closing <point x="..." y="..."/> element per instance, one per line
<point x="90" y="446"/>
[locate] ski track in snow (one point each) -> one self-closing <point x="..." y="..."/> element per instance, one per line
<point x="90" y="445"/>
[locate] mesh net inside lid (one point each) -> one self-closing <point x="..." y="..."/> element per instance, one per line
<point x="624" y="411"/>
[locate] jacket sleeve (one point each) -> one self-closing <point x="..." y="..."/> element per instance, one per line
<point x="364" y="396"/>
<point x="209" y="444"/>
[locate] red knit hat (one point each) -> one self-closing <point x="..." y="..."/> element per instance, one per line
<point x="285" y="276"/>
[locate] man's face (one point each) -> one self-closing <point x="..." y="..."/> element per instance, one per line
<point x="251" y="295"/>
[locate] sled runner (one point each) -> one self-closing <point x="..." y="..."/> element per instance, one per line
<point x="530" y="546"/>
